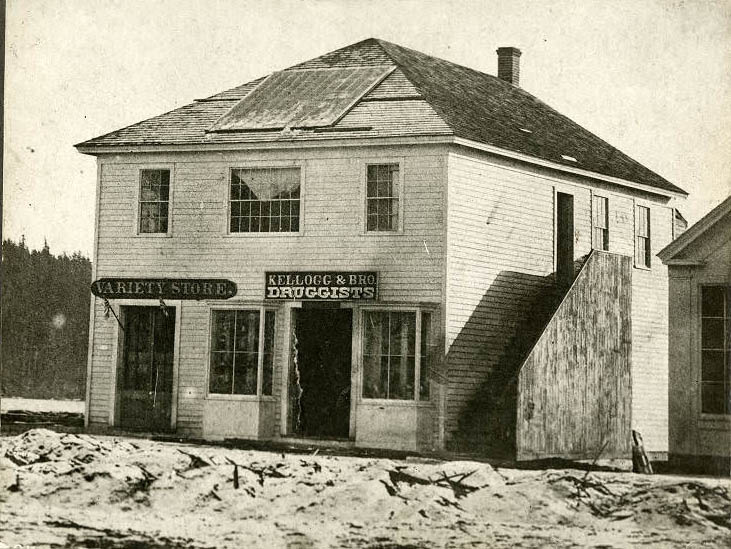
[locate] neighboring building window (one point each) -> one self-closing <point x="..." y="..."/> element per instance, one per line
<point x="393" y="358"/>
<point x="382" y="198"/>
<point x="154" y="201"/>
<point x="715" y="350"/>
<point x="238" y="357"/>
<point x="642" y="237"/>
<point x="601" y="223"/>
<point x="265" y="200"/>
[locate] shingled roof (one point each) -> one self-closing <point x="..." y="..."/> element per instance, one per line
<point x="422" y="96"/>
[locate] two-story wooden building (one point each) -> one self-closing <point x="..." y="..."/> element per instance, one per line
<point x="380" y="246"/>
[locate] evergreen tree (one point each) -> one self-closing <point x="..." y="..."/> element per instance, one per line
<point x="45" y="322"/>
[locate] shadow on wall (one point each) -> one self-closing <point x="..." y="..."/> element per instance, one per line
<point x="493" y="343"/>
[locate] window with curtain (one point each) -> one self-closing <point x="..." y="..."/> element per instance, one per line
<point x="264" y="200"/>
<point x="393" y="359"/>
<point x="715" y="350"/>
<point x="238" y="358"/>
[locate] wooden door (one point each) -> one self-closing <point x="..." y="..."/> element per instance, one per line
<point x="564" y="238"/>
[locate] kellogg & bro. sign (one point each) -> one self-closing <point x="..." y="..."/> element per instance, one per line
<point x="322" y="285"/>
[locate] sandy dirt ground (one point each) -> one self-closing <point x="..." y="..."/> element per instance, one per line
<point x="68" y="490"/>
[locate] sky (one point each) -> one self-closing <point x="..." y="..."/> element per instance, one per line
<point x="651" y="77"/>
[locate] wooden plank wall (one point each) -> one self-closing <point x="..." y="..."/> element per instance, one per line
<point x="410" y="263"/>
<point x="574" y="388"/>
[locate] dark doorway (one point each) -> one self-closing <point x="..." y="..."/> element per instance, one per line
<point x="564" y="238"/>
<point x="322" y="367"/>
<point x="145" y="386"/>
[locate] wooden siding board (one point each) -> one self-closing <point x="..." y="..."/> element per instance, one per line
<point x="579" y="360"/>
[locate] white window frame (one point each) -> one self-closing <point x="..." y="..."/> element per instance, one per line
<point x="364" y="201"/>
<point x="138" y="201"/>
<point x="635" y="236"/>
<point x="263" y="309"/>
<point x="594" y="201"/>
<point x="416" y="401"/>
<point x="259" y="166"/>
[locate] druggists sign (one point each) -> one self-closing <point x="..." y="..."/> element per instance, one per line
<point x="163" y="288"/>
<point x="322" y="285"/>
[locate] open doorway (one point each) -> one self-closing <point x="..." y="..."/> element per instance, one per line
<point x="564" y="238"/>
<point x="321" y="373"/>
<point x="145" y="378"/>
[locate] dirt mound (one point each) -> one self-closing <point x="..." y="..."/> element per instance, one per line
<point x="76" y="490"/>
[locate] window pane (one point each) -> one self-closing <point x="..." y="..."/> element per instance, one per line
<point x="403" y="337"/>
<point x="712" y="397"/>
<point x="247" y="331"/>
<point x="426" y="358"/>
<point x="401" y="378"/>
<point x="712" y="300"/>
<point x="712" y="368"/>
<point x="245" y="368"/>
<point x="268" y="366"/>
<point x="712" y="333"/>
<point x="220" y="379"/>
<point x="149" y="218"/>
<point x="373" y="385"/>
<point x="223" y="330"/>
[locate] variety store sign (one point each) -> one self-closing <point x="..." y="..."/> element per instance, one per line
<point x="163" y="288"/>
<point x="322" y="285"/>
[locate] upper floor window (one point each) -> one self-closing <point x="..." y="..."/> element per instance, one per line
<point x="265" y="200"/>
<point x="643" y="247"/>
<point x="397" y="348"/>
<point x="601" y="223"/>
<point x="240" y="357"/>
<point x="154" y="201"/>
<point x="715" y="349"/>
<point x="382" y="197"/>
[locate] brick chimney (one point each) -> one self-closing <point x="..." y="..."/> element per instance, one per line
<point x="508" y="65"/>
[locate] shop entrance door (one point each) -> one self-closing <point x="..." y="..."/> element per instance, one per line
<point x="145" y="381"/>
<point x="320" y="381"/>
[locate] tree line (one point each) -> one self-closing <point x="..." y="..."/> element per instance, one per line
<point x="45" y="322"/>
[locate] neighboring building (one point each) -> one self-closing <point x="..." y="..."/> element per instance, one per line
<point x="449" y="209"/>
<point x="699" y="265"/>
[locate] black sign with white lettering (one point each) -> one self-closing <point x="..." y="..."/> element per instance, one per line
<point x="163" y="288"/>
<point x="322" y="285"/>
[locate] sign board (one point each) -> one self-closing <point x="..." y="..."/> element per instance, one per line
<point x="163" y="288"/>
<point x="322" y="285"/>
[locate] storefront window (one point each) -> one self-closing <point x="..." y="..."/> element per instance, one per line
<point x="236" y="354"/>
<point x="715" y="350"/>
<point x="393" y="359"/>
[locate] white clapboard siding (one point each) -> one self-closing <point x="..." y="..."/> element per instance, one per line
<point x="500" y="251"/>
<point x="410" y="264"/>
<point x="500" y="246"/>
<point x="650" y="338"/>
